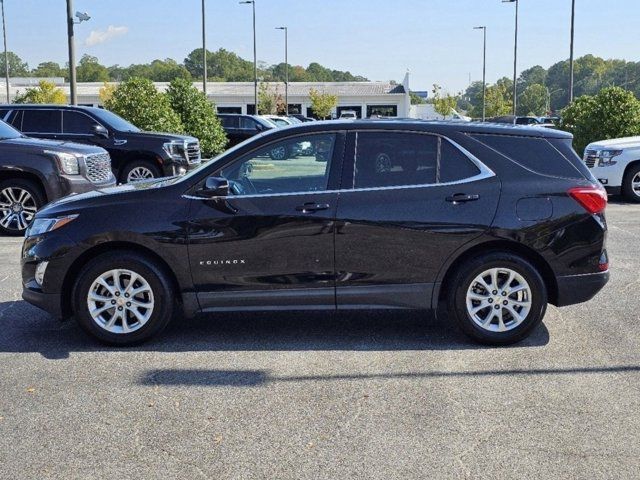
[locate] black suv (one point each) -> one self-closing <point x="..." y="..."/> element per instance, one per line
<point x="135" y="155"/>
<point x="34" y="172"/>
<point x="240" y="127"/>
<point x="488" y="222"/>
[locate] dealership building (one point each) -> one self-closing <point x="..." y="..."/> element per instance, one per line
<point x="365" y="98"/>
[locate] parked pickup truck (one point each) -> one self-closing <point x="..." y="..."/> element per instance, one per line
<point x="135" y="154"/>
<point x="34" y="172"/>
<point x="616" y="164"/>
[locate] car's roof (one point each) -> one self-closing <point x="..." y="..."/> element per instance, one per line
<point x="47" y="106"/>
<point x="440" y="126"/>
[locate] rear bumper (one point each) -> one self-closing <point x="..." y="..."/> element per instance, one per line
<point x="574" y="289"/>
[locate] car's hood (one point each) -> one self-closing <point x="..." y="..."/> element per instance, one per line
<point x="161" y="137"/>
<point x="53" y="145"/>
<point x="618" y="143"/>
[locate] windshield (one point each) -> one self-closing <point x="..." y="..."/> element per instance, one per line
<point x="7" y="131"/>
<point x="114" y="121"/>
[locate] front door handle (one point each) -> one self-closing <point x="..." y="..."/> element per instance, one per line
<point x="462" y="198"/>
<point x="311" y="207"/>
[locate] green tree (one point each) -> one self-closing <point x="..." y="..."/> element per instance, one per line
<point x="90" y="70"/>
<point x="45" y="92"/>
<point x="415" y="99"/>
<point x="17" y="68"/>
<point x="443" y="104"/>
<point x="198" y="116"/>
<point x="138" y="101"/>
<point x="533" y="100"/>
<point x="322" y="103"/>
<point x="222" y="65"/>
<point x="612" y="113"/>
<point x="266" y="100"/>
<point x="50" y="69"/>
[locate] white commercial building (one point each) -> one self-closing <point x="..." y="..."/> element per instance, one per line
<point x="365" y="98"/>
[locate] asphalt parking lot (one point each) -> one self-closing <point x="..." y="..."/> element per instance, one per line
<point x="309" y="396"/>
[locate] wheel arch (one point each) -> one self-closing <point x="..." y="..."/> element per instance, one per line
<point x="71" y="275"/>
<point x="527" y="253"/>
<point x="24" y="175"/>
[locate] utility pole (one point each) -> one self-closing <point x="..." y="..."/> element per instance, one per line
<point x="515" y="58"/>
<point x="72" y="54"/>
<point x="286" y="67"/>
<point x="573" y="17"/>
<point x="6" y="58"/>
<point x="484" y="72"/>
<point x="255" y="57"/>
<point x="204" y="52"/>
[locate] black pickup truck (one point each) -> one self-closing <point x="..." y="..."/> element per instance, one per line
<point x="34" y="172"/>
<point x="135" y="155"/>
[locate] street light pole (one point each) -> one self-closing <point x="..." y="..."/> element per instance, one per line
<point x="286" y="67"/>
<point x="6" y="58"/>
<point x="255" y="57"/>
<point x="515" y="58"/>
<point x="204" y="52"/>
<point x="72" y="54"/>
<point x="484" y="72"/>
<point x="573" y="17"/>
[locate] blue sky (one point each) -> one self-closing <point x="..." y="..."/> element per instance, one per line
<point x="380" y="39"/>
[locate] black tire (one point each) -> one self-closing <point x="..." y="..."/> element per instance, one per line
<point x="462" y="280"/>
<point x="13" y="226"/>
<point x="157" y="279"/>
<point x="627" y="184"/>
<point x="280" y="153"/>
<point x="141" y="165"/>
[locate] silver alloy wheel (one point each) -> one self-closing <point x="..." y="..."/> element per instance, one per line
<point x="635" y="184"/>
<point x="139" y="173"/>
<point x="17" y="208"/>
<point x="279" y="153"/>
<point x="120" y="301"/>
<point x="499" y="299"/>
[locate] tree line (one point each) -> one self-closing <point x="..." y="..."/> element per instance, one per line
<point x="222" y="66"/>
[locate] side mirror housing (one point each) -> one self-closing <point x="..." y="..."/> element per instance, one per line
<point x="214" y="187"/>
<point x="99" y="131"/>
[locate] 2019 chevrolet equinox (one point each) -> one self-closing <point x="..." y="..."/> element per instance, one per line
<point x="492" y="222"/>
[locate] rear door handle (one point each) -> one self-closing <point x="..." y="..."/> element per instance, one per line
<point x="311" y="207"/>
<point x="462" y="198"/>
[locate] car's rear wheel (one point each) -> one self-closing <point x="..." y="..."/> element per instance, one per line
<point x="497" y="298"/>
<point x="139" y="170"/>
<point x="280" y="153"/>
<point x="631" y="184"/>
<point x="123" y="298"/>
<point x="20" y="199"/>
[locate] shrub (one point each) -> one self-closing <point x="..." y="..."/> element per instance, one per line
<point x="612" y="113"/>
<point x="138" y="101"/>
<point x="198" y="116"/>
<point x="45" y="92"/>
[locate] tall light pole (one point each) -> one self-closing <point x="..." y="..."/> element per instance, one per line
<point x="286" y="66"/>
<point x="6" y="58"/>
<point x="204" y="52"/>
<point x="255" y="57"/>
<point x="484" y="72"/>
<point x="515" y="58"/>
<point x="82" y="17"/>
<point x="573" y="17"/>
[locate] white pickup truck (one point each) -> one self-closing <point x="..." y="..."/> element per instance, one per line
<point x="616" y="164"/>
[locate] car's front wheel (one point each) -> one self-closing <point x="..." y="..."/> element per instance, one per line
<point x="19" y="201"/>
<point x="139" y="170"/>
<point x="123" y="298"/>
<point x="497" y="298"/>
<point x="631" y="184"/>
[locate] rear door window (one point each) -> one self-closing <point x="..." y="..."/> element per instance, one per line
<point x="77" y="123"/>
<point x="42" y="121"/>
<point x="533" y="153"/>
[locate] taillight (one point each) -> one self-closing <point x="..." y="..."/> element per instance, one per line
<point x="593" y="199"/>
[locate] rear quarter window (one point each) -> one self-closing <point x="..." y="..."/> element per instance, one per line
<point x="533" y="153"/>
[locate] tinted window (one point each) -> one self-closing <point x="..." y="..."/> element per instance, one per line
<point x="42" y="121"/>
<point x="229" y="122"/>
<point x="454" y="165"/>
<point x="385" y="159"/>
<point x="114" y="121"/>
<point x="15" y="119"/>
<point x="533" y="153"/>
<point x="299" y="164"/>
<point x="248" y="123"/>
<point x="566" y="149"/>
<point x="75" y="122"/>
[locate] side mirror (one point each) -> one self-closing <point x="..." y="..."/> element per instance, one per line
<point x="214" y="187"/>
<point x="99" y="131"/>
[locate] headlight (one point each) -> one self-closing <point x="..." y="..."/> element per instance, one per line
<point x="44" y="225"/>
<point x="67" y="162"/>
<point x="176" y="150"/>
<point x="606" y="157"/>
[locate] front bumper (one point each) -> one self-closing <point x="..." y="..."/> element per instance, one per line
<point x="574" y="289"/>
<point x="49" y="302"/>
<point x="78" y="184"/>
<point x="610" y="177"/>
